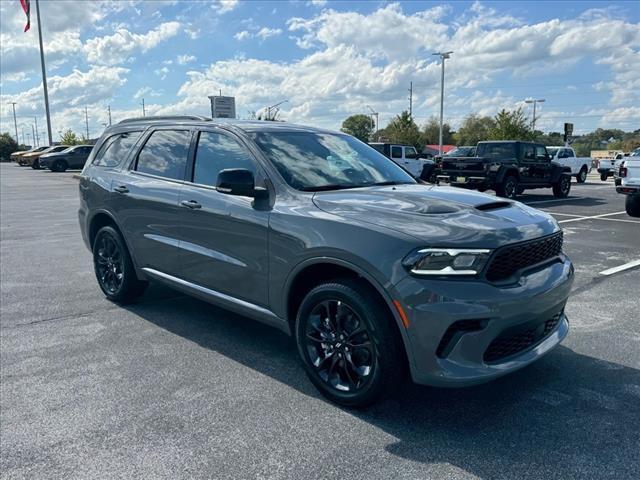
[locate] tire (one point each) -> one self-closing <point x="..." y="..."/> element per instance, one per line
<point x="519" y="190"/>
<point x="59" y="166"/>
<point x="562" y="188"/>
<point x="113" y="267"/>
<point x="36" y="164"/>
<point x="508" y="188"/>
<point x="603" y="177"/>
<point x="632" y="205"/>
<point x="362" y="355"/>
<point x="582" y="175"/>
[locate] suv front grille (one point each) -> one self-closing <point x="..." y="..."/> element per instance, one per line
<point x="515" y="342"/>
<point x="511" y="258"/>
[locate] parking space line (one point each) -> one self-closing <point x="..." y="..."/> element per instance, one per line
<point x="566" y="214"/>
<point x="620" y="268"/>
<point x="590" y="217"/>
<point x="626" y="220"/>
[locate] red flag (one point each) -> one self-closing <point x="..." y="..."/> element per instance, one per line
<point x="26" y="6"/>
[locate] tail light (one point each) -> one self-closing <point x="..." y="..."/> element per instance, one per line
<point x="623" y="172"/>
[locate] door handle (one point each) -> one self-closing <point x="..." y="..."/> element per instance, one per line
<point x="121" y="189"/>
<point x="190" y="204"/>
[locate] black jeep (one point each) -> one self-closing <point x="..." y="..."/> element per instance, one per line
<point x="508" y="167"/>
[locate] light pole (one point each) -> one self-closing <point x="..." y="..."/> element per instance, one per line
<point x="15" y="124"/>
<point x="274" y="106"/>
<point x="535" y="102"/>
<point x="373" y="112"/>
<point x="443" y="56"/>
<point x="86" y="121"/>
<point x="35" y="119"/>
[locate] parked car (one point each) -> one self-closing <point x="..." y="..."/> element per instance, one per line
<point x="628" y="183"/>
<point x="607" y="167"/>
<point x="16" y="155"/>
<point x="319" y="235"/>
<point x="408" y="158"/>
<point x="71" y="157"/>
<point x="580" y="166"/>
<point x="463" y="151"/>
<point x="33" y="159"/>
<point x="508" y="167"/>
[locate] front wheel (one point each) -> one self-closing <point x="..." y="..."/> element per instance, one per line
<point x="508" y="188"/>
<point x="350" y="349"/>
<point x="603" y="177"/>
<point x="632" y="205"/>
<point x="562" y="188"/>
<point x="36" y="164"/>
<point x="114" y="269"/>
<point x="582" y="175"/>
<point x="59" y="166"/>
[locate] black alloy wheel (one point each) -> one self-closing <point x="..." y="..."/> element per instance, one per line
<point x="109" y="265"/>
<point x="509" y="188"/>
<point x="339" y="346"/>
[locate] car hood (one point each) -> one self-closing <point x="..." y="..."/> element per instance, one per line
<point x="440" y="216"/>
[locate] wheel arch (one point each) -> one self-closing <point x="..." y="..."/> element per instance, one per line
<point x="504" y="172"/>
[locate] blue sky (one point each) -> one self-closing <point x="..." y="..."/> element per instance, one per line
<point x="328" y="59"/>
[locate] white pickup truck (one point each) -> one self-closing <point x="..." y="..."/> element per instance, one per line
<point x="607" y="167"/>
<point x="628" y="183"/>
<point x="566" y="156"/>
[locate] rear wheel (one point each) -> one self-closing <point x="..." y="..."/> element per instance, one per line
<point x="632" y="205"/>
<point x="562" y="188"/>
<point x="508" y="188"/>
<point x="582" y="175"/>
<point x="114" y="269"/>
<point x="349" y="347"/>
<point x="603" y="177"/>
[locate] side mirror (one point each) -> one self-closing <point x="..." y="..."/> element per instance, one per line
<point x="238" y="181"/>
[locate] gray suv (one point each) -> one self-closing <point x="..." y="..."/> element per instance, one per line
<point x="321" y="236"/>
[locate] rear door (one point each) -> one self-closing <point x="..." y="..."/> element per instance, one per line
<point x="411" y="162"/>
<point x="224" y="238"/>
<point x="145" y="198"/>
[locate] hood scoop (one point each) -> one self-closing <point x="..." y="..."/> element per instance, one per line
<point x="493" y="206"/>
<point x="437" y="208"/>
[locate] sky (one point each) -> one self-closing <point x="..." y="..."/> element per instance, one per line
<point x="327" y="59"/>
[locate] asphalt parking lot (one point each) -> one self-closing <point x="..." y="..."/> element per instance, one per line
<point x="172" y="387"/>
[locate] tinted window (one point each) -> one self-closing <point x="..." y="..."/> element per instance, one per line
<point x="528" y="152"/>
<point x="396" y="152"/>
<point x="497" y="150"/>
<point x="218" y="152"/>
<point x="379" y="147"/>
<point x="541" y="152"/>
<point x="165" y="154"/>
<point x="324" y="161"/>
<point x="410" y="152"/>
<point x="115" y="149"/>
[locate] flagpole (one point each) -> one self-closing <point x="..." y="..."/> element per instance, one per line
<point x="44" y="75"/>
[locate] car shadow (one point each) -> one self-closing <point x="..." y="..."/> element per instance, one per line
<point x="570" y="200"/>
<point x="566" y="416"/>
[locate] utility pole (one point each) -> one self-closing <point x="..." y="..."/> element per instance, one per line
<point x="86" y="120"/>
<point x="144" y="113"/>
<point x="15" y="124"/>
<point x="29" y="139"/>
<point x="109" y="110"/>
<point x="44" y="75"/>
<point x="23" y="142"/>
<point x="535" y="102"/>
<point x="443" y="56"/>
<point x="373" y="112"/>
<point x="410" y="99"/>
<point x="33" y="132"/>
<point x="35" y="119"/>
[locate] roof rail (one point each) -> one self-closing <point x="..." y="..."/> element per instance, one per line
<point x="160" y="118"/>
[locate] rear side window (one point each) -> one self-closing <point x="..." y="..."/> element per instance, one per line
<point x="115" y="149"/>
<point x="165" y="154"/>
<point x="528" y="152"/>
<point x="218" y="152"/>
<point x="541" y="152"/>
<point x="497" y="150"/>
<point x="396" y="152"/>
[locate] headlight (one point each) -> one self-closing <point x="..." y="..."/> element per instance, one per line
<point x="446" y="261"/>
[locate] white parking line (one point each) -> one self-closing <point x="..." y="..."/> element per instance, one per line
<point x="590" y="217"/>
<point x="620" y="268"/>
<point x="566" y="214"/>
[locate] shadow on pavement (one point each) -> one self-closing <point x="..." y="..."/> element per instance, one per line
<point x="571" y="200"/>
<point x="566" y="416"/>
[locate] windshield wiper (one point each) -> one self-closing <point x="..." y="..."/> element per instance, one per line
<point x="336" y="186"/>
<point x="391" y="182"/>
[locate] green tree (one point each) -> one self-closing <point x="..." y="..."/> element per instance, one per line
<point x="431" y="133"/>
<point x="511" y="125"/>
<point x="69" y="138"/>
<point x="7" y="146"/>
<point x="474" y="129"/>
<point x="360" y="126"/>
<point x="402" y="129"/>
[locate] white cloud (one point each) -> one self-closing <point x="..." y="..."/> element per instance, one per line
<point x="162" y="72"/>
<point x="184" y="59"/>
<point x="262" y="33"/>
<point x="116" y="48"/>
<point x="265" y="32"/>
<point x="146" y="92"/>
<point x="224" y="6"/>
<point x="317" y="3"/>
<point x="243" y="35"/>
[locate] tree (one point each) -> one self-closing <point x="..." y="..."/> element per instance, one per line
<point x="360" y="126"/>
<point x="431" y="133"/>
<point x="402" y="129"/>
<point x="69" y="138"/>
<point x="474" y="129"/>
<point x="7" y="146"/>
<point x="511" y="125"/>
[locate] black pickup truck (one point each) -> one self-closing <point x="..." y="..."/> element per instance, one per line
<point x="508" y="167"/>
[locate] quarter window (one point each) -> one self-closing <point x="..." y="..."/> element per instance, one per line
<point x="396" y="152"/>
<point x="218" y="152"/>
<point x="165" y="154"/>
<point x="529" y="153"/>
<point x="115" y="149"/>
<point x="541" y="152"/>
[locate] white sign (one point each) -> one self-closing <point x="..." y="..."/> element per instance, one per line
<point x="223" y="107"/>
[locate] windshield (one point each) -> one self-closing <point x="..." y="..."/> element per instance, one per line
<point x="325" y="161"/>
<point x="496" y="150"/>
<point x="459" y="152"/>
<point x="552" y="151"/>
